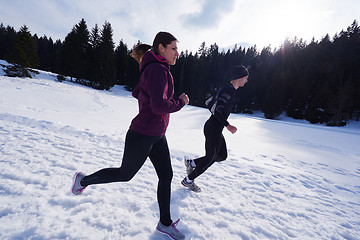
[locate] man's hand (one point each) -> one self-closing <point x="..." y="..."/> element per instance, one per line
<point x="231" y="128"/>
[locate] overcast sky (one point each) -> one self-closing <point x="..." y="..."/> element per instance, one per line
<point x="225" y="22"/>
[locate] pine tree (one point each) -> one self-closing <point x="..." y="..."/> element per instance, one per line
<point x="25" y="53"/>
<point x="74" y="53"/>
<point x="107" y="58"/>
<point x="339" y="105"/>
<point x="202" y="50"/>
<point x="122" y="63"/>
<point x="274" y="99"/>
<point x="93" y="67"/>
<point x="316" y="110"/>
<point x="7" y="42"/>
<point x="45" y="49"/>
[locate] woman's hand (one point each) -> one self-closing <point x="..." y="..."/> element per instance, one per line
<point x="185" y="98"/>
<point x="231" y="128"/>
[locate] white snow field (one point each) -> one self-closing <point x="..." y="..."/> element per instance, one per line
<point x="283" y="179"/>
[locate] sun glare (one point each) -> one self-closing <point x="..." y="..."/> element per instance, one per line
<point x="276" y="21"/>
<point x="285" y="20"/>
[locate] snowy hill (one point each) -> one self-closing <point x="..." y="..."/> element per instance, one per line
<point x="282" y="180"/>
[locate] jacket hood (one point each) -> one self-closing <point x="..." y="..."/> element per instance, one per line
<point x="150" y="57"/>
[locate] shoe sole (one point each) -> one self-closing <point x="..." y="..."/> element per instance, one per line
<point x="73" y="185"/>
<point x="189" y="187"/>
<point x="165" y="233"/>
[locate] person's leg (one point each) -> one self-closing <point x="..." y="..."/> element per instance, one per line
<point x="212" y="145"/>
<point x="200" y="159"/>
<point x="222" y="153"/>
<point x="137" y="149"/>
<point x="160" y="158"/>
<point x="208" y="126"/>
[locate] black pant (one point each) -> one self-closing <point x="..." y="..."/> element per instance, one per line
<point x="215" y="147"/>
<point x="137" y="148"/>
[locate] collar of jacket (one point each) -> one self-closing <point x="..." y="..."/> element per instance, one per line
<point x="150" y="57"/>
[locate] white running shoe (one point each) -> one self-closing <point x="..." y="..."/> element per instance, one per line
<point x="77" y="188"/>
<point x="189" y="163"/>
<point x="171" y="231"/>
<point x="191" y="185"/>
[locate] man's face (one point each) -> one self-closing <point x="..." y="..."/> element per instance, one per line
<point x="243" y="81"/>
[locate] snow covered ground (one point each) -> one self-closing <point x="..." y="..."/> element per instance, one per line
<point x="283" y="179"/>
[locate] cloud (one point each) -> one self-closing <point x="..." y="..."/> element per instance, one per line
<point x="225" y="22"/>
<point x="210" y="15"/>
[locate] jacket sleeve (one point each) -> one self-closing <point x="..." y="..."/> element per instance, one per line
<point x="159" y="82"/>
<point x="222" y="108"/>
<point x="136" y="91"/>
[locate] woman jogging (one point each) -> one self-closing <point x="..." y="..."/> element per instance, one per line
<point x="146" y="135"/>
<point x="215" y="145"/>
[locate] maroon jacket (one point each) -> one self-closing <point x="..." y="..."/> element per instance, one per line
<point x="155" y="96"/>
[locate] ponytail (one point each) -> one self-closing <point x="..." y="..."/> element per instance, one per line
<point x="139" y="51"/>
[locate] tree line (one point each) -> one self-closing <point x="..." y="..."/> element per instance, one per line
<point x="317" y="81"/>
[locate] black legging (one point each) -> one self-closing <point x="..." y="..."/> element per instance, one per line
<point x="137" y="148"/>
<point x="215" y="147"/>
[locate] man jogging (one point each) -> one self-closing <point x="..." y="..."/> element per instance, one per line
<point x="215" y="145"/>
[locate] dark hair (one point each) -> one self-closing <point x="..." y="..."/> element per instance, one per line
<point x="163" y="38"/>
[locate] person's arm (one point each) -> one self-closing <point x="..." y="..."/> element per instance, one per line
<point x="157" y="81"/>
<point x="136" y="91"/>
<point x="222" y="107"/>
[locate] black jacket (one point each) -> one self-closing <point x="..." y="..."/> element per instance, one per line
<point x="225" y="103"/>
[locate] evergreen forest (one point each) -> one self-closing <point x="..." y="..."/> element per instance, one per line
<point x="317" y="81"/>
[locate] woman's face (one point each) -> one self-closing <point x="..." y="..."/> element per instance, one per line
<point x="170" y="53"/>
